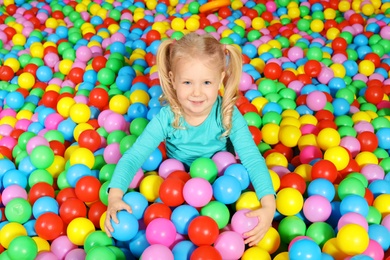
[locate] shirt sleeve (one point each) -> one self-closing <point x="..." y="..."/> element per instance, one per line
<point x="250" y="156"/>
<point x="132" y="160"/>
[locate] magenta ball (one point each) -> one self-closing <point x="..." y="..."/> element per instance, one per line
<point x="197" y="192"/>
<point x="374" y="250"/>
<point x="36" y="141"/>
<point x="223" y="160"/>
<point x="245" y="82"/>
<point x="295" y="53"/>
<point x="157" y="252"/>
<point x="75" y="254"/>
<point x="114" y="122"/>
<point x="230" y="245"/>
<point x="45" y="255"/>
<point x="352" y="218"/>
<point x="386" y="222"/>
<point x="84" y="53"/>
<point x="112" y="153"/>
<point x="352" y="144"/>
<point x="317" y="208"/>
<point x="12" y="192"/>
<point x="168" y="166"/>
<point x="241" y="223"/>
<point x="161" y="231"/>
<point x="316" y="100"/>
<point x="373" y="172"/>
<point x="61" y="246"/>
<point x="309" y="153"/>
<point x="52" y="121"/>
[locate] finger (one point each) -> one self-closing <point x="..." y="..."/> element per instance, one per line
<point x="128" y="209"/>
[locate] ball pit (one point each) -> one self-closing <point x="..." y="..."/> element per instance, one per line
<point x="78" y="84"/>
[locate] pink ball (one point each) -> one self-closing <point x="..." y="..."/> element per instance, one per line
<point x="309" y="129"/>
<point x="168" y="166"/>
<point x="296" y="85"/>
<point x="309" y="153"/>
<point x="36" y="141"/>
<point x="76" y="254"/>
<point x="23" y="124"/>
<point x="197" y="192"/>
<point x="138" y="177"/>
<point x="325" y="75"/>
<point x="316" y="100"/>
<point x="352" y="144"/>
<point x="317" y="208"/>
<point x="386" y="222"/>
<point x="245" y="82"/>
<point x="373" y="172"/>
<point x="61" y="246"/>
<point x="230" y="245"/>
<point x="114" y="122"/>
<point x="223" y="160"/>
<point x="112" y="153"/>
<point x="241" y="223"/>
<point x="157" y="252"/>
<point x="83" y="53"/>
<point x="374" y="250"/>
<point x="363" y="126"/>
<point x="52" y="121"/>
<point x="161" y="231"/>
<point x="5" y="130"/>
<point x="352" y="218"/>
<point x="295" y="53"/>
<point x="8" y="142"/>
<point x="44" y="255"/>
<point x="11" y="192"/>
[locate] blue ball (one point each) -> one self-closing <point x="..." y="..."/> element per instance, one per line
<point x="341" y="106"/>
<point x="380" y="234"/>
<point x="226" y="189"/>
<point x="321" y="187"/>
<point x="6" y="165"/>
<point x="44" y="74"/>
<point x="183" y="250"/>
<point x="383" y="135"/>
<point x="30" y="228"/>
<point x="137" y="202"/>
<point x="75" y="172"/>
<point x="378" y="187"/>
<point x="139" y="243"/>
<point x="238" y="171"/>
<point x="14" y="177"/>
<point x="43" y="205"/>
<point x="354" y="203"/>
<point x="137" y="110"/>
<point x="127" y="227"/>
<point x="182" y="216"/>
<point x="304" y="249"/>
<point x="153" y="161"/>
<point x="15" y="100"/>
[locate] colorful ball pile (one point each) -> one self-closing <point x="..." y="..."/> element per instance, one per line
<point x="78" y="84"/>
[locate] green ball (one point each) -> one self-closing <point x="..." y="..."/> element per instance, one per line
<point x="97" y="238"/>
<point x="204" y="168"/>
<point x="288" y="93"/>
<point x="253" y="35"/>
<point x="320" y="232"/>
<point x="344" y="120"/>
<point x="138" y="125"/>
<point x="100" y="252"/>
<point x="62" y="182"/>
<point x="177" y="35"/>
<point x="287" y="103"/>
<point x="360" y="177"/>
<point x="69" y="54"/>
<point x="114" y="64"/>
<point x="24" y="59"/>
<point x="380" y="122"/>
<point x="239" y="30"/>
<point x="373" y="216"/>
<point x="42" y="157"/>
<point x="253" y="119"/>
<point x="193" y="7"/>
<point x="348" y="37"/>
<point x="381" y="153"/>
<point x="314" y="53"/>
<point x="303" y="25"/>
<point x="54" y="135"/>
<point x="106" y="172"/>
<point x="22" y="247"/>
<point x="378" y="49"/>
<point x="115" y="136"/>
<point x="347" y="94"/>
<point x="106" y="76"/>
<point x="263" y="147"/>
<point x="99" y="162"/>
<point x="350" y="186"/>
<point x="272" y="117"/>
<point x="103" y="193"/>
<point x="273" y="97"/>
<point x="24" y="138"/>
<point x="347" y="131"/>
<point x="385" y="164"/>
<point x="40" y="175"/>
<point x="267" y="86"/>
<point x="115" y="14"/>
<point x="126" y="143"/>
<point x="18" y="210"/>
<point x="217" y="211"/>
<point x="119" y="254"/>
<point x="368" y="107"/>
<point x="291" y="227"/>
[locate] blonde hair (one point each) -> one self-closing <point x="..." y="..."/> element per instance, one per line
<point x="224" y="58"/>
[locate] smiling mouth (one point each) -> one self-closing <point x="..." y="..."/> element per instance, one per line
<point x="196" y="102"/>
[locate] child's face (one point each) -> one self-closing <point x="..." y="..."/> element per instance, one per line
<point x="196" y="86"/>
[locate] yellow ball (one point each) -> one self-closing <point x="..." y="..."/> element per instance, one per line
<point x="366" y="157"/>
<point x="19" y="39"/>
<point x="352" y="239"/>
<point x="64" y="105"/>
<point x="271" y="241"/>
<point x="338" y="69"/>
<point x="24" y="114"/>
<point x="178" y="24"/>
<point x="328" y="137"/>
<point x="119" y="104"/>
<point x="8" y="120"/>
<point x="10" y="231"/>
<point x="304" y="170"/>
<point x="361" y="116"/>
<point x="270" y="133"/>
<point x="102" y="220"/>
<point x="37" y="50"/>
<point x="236" y="5"/>
<point x="255" y="253"/>
<point x="139" y="96"/>
<point x="57" y="167"/>
<point x="368" y="9"/>
<point x="51" y="23"/>
<point x="276" y="159"/>
<point x="8" y="2"/>
<point x="329" y="14"/>
<point x="289" y="201"/>
<point x="42" y="244"/>
<point x="290" y="121"/>
<point x="294" y="12"/>
<point x="65" y="66"/>
<point x="82" y="156"/>
<point x="150" y="186"/>
<point x="366" y="67"/>
<point x="13" y="64"/>
<point x="344" y="6"/>
<point x="151" y="4"/>
<point x="331" y="248"/>
<point x="275" y="180"/>
<point x="248" y="200"/>
<point x="79" y="129"/>
<point x="80" y="113"/>
<point x="192" y="24"/>
<point x="78" y="230"/>
<point x="259" y="103"/>
<point x="69" y="151"/>
<point x="382" y="204"/>
<point x="308" y="139"/>
<point x="338" y="155"/>
<point x="26" y="80"/>
<point x="289" y="135"/>
<point x="308" y="120"/>
<point x="291" y="113"/>
<point x="317" y="25"/>
<point x="282" y="256"/>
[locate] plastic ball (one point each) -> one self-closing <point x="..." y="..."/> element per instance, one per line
<point x="49" y="226"/>
<point x="317" y="208"/>
<point x="150" y="186"/>
<point x="137" y="202"/>
<point x="230" y="245"/>
<point x="289" y="201"/>
<point x="304" y="249"/>
<point x="241" y="223"/>
<point x="18" y="210"/>
<point x="10" y="231"/>
<point x="171" y="192"/>
<point x="226" y="189"/>
<point x="291" y="227"/>
<point x="197" y="192"/>
<point x="338" y="155"/>
<point x="320" y="232"/>
<point x="183" y="250"/>
<point x="71" y="209"/>
<point x="203" y="230"/>
<point x="87" y="189"/>
<point x="78" y="230"/>
<point x="22" y="247"/>
<point x="157" y="252"/>
<point x="42" y="157"/>
<point x="253" y="253"/>
<point x="238" y="171"/>
<point x="223" y="160"/>
<point x="204" y="168"/>
<point x="352" y="239"/>
<point x="161" y="231"/>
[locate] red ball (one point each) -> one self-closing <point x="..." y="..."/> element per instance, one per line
<point x="39" y="190"/>
<point x="368" y="141"/>
<point x="90" y="139"/>
<point x="247" y="107"/>
<point x="272" y="70"/>
<point x="5" y="151"/>
<point x="171" y="192"/>
<point x="49" y="226"/>
<point x="182" y="175"/>
<point x="98" y="63"/>
<point x="87" y="189"/>
<point x="151" y="36"/>
<point x="374" y="94"/>
<point x="156" y="210"/>
<point x="65" y="194"/>
<point x="31" y="68"/>
<point x="293" y="180"/>
<point x="76" y="75"/>
<point x="339" y="44"/>
<point x="98" y="97"/>
<point x="49" y="99"/>
<point x="95" y="211"/>
<point x="203" y="231"/>
<point x="256" y="134"/>
<point x="312" y="68"/>
<point x="324" y="169"/>
<point x="374" y="58"/>
<point x="224" y="12"/>
<point x="369" y="197"/>
<point x="206" y="253"/>
<point x="286" y="77"/>
<point x="71" y="209"/>
<point x="57" y="147"/>
<point x="6" y="73"/>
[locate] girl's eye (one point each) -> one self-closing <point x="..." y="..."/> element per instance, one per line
<point x="186" y="83"/>
<point x="207" y="82"/>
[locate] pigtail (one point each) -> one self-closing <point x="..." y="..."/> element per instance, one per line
<point x="231" y="81"/>
<point x="164" y="62"/>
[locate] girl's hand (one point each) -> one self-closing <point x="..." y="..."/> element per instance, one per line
<point x="113" y="207"/>
<point x="265" y="216"/>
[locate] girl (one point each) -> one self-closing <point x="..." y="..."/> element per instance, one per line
<point x="197" y="122"/>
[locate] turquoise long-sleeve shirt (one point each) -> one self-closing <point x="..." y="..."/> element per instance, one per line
<point x="193" y="142"/>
